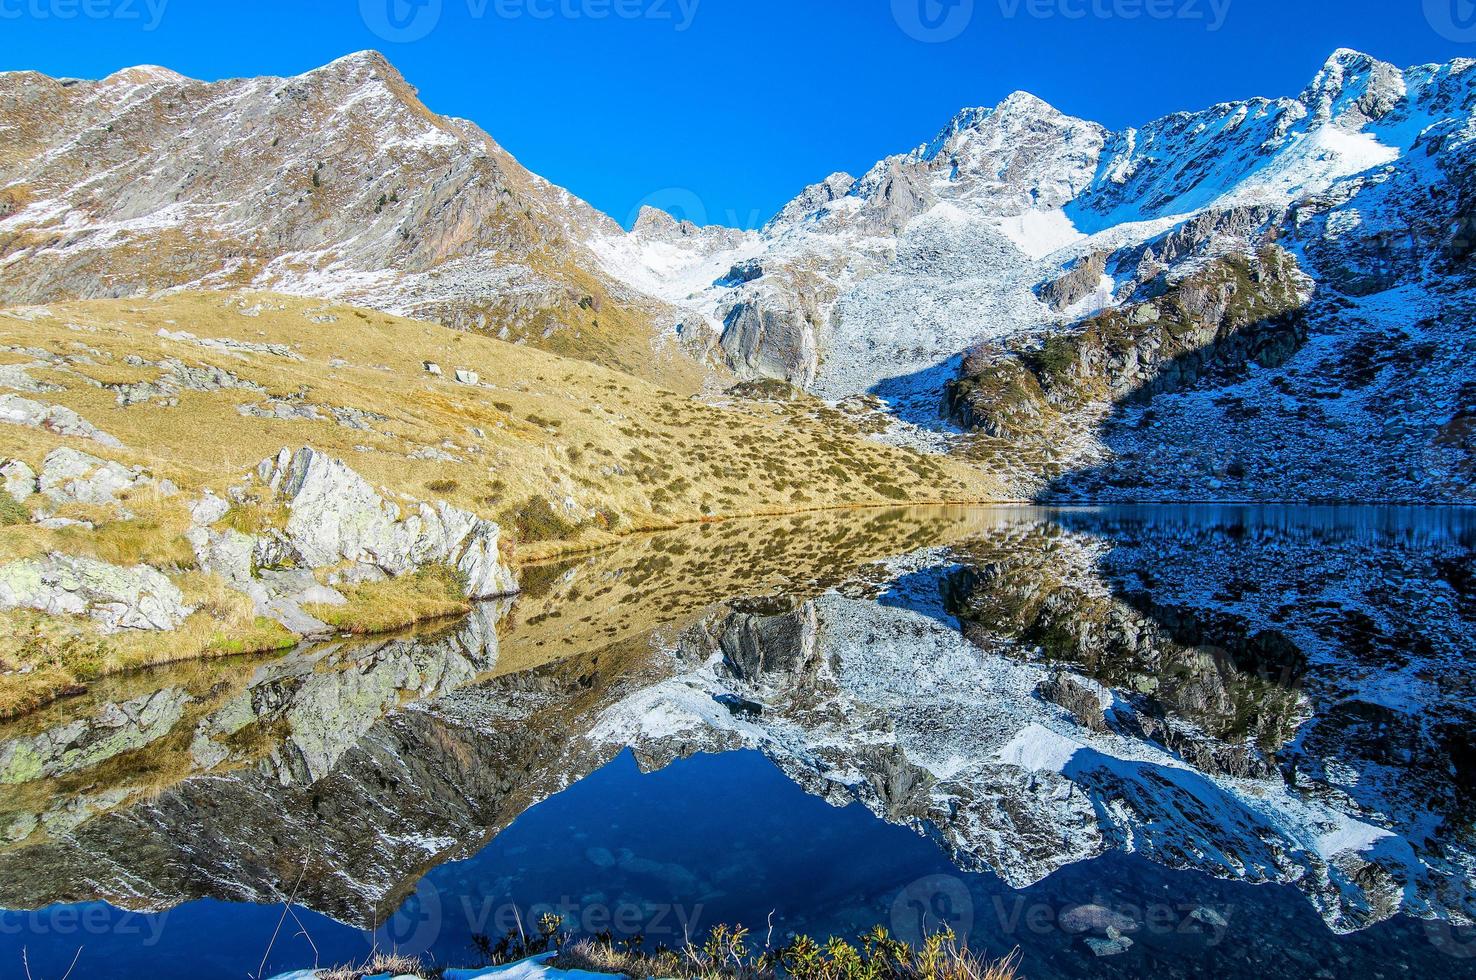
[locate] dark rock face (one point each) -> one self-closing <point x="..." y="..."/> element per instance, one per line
<point x="1236" y="312"/>
<point x="756" y="641"/>
<point x="1077" y="284"/>
<point x="743" y="272"/>
<point x="760" y="340"/>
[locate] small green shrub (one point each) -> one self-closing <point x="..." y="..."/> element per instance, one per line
<point x="537" y="520"/>
<point x="12" y="511"/>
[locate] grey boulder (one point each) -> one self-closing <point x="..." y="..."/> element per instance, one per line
<point x="118" y="598"/>
<point x="336" y="516"/>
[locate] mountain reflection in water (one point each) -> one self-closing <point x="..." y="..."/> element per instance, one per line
<point x="1038" y="725"/>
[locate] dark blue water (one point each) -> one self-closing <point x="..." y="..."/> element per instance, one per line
<point x="728" y="838"/>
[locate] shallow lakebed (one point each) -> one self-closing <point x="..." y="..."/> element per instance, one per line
<point x="1228" y="741"/>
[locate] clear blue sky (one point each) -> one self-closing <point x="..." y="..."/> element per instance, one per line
<point x="740" y="103"/>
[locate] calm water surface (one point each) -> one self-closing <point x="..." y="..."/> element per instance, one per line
<point x="1217" y="741"/>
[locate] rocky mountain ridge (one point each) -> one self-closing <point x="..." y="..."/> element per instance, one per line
<point x="1011" y="225"/>
<point x="1019" y="223"/>
<point x="338" y="183"/>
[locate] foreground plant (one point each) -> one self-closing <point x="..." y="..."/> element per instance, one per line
<point x="724" y="954"/>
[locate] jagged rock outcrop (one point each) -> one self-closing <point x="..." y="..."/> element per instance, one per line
<point x="119" y="727"/>
<point x="71" y="477"/>
<point x="276" y="730"/>
<point x="1229" y="315"/>
<point x="767" y="343"/>
<point x="1016" y="222"/>
<point x="1082" y="280"/>
<point x="336" y="516"/>
<point x="337" y="522"/>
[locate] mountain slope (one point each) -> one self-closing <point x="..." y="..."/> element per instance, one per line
<point x="338" y="183"/>
<point x="1013" y="225"/>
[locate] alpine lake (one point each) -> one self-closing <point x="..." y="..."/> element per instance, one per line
<point x="1212" y="741"/>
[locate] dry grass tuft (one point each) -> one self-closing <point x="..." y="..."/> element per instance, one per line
<point x="433" y="592"/>
<point x="12" y="511"/>
<point x="378" y="964"/>
<point x="726" y="954"/>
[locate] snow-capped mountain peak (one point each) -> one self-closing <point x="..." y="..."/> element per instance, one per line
<point x="857" y="282"/>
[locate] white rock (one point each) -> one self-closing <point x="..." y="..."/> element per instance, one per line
<point x="119" y="598"/>
<point x="72" y="477"/>
<point x="467" y="377"/>
<point x="208" y="509"/>
<point x="53" y="418"/>
<point x="225" y="553"/>
<point x="337" y="516"/>
<point x="18" y="478"/>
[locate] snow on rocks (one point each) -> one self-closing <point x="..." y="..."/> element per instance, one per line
<point x="533" y="968"/>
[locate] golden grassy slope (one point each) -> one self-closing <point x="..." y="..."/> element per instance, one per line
<point x="565" y="454"/>
<point x="549" y="427"/>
